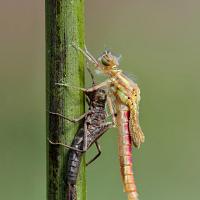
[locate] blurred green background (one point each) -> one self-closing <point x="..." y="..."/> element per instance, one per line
<point x="159" y="42"/>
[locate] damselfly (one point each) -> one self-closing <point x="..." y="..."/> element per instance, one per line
<point x="124" y="94"/>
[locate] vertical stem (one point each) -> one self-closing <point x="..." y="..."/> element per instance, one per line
<point x="64" y="25"/>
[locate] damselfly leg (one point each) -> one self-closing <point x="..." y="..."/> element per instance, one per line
<point x="103" y="128"/>
<point x="87" y="54"/>
<point x="97" y="155"/>
<point x="73" y="121"/>
<point x="65" y="145"/>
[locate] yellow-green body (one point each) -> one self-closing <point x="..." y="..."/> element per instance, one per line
<point x="128" y="93"/>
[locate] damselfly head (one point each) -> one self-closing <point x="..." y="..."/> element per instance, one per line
<point x="108" y="60"/>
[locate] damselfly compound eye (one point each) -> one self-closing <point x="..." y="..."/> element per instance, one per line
<point x="105" y="60"/>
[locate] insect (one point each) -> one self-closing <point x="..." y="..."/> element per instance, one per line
<point x="93" y="126"/>
<point x="124" y="94"/>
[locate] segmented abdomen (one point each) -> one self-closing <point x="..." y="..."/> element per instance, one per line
<point x="125" y="152"/>
<point x="74" y="157"/>
<point x="73" y="165"/>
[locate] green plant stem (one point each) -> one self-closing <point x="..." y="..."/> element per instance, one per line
<point x="64" y="25"/>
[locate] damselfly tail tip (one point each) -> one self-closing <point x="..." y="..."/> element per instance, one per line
<point x="133" y="196"/>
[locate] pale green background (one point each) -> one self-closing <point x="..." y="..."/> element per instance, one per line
<point x="159" y="42"/>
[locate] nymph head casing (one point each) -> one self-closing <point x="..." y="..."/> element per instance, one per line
<point x="98" y="97"/>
